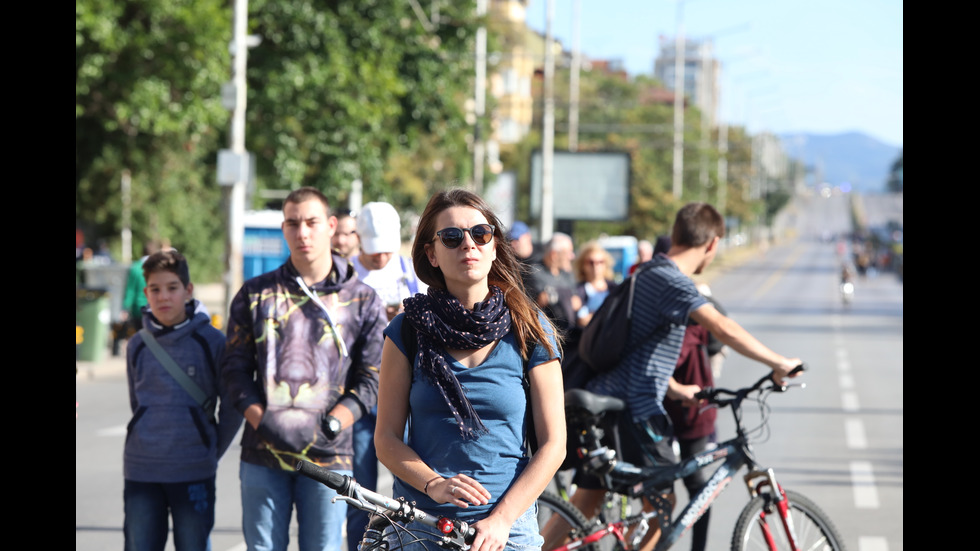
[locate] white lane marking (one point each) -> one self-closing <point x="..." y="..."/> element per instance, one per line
<point x="242" y="547"/>
<point x="854" y="434"/>
<point x="863" y="483"/>
<point x="849" y="401"/>
<point x="872" y="543"/>
<point x="119" y="430"/>
<point x="846" y="381"/>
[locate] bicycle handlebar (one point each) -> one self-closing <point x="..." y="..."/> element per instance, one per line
<point x="354" y="494"/>
<point x="712" y="395"/>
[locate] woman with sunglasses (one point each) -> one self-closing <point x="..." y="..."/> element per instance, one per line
<point x="465" y="455"/>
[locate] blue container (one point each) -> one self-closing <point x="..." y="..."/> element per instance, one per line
<point x="264" y="248"/>
<point x="624" y="251"/>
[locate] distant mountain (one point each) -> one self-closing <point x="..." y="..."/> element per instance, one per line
<point x="838" y="159"/>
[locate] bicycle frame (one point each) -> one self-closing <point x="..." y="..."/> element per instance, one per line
<point x="633" y="481"/>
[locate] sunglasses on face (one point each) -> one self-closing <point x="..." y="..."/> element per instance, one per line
<point x="453" y="237"/>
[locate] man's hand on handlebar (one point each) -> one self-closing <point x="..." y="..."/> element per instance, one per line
<point x="787" y="369"/>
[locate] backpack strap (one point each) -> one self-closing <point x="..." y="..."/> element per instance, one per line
<point x="177" y="373"/>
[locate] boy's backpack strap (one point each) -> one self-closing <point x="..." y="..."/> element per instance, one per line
<point x="178" y="374"/>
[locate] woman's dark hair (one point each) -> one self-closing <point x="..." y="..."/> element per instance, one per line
<point x="505" y="271"/>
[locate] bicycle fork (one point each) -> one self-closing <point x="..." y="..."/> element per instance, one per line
<point x="757" y="481"/>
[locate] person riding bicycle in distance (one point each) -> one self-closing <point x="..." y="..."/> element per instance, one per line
<point x="465" y="455"/>
<point x="666" y="297"/>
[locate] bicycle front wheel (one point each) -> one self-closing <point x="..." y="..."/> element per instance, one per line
<point x="560" y="522"/>
<point x="760" y="520"/>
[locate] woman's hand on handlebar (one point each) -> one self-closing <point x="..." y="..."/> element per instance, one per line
<point x="460" y="490"/>
<point x="491" y="534"/>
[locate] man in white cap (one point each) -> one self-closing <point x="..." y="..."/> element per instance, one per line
<point x="381" y="265"/>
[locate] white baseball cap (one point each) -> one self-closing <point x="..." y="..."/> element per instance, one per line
<point x="379" y="228"/>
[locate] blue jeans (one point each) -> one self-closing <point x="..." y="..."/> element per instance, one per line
<point x="148" y="507"/>
<point x="524" y="535"/>
<point x="365" y="473"/>
<point x="268" y="496"/>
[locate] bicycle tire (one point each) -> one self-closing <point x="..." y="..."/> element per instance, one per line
<point x="575" y="524"/>
<point x="813" y="527"/>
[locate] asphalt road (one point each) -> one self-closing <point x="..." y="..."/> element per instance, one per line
<point x="839" y="440"/>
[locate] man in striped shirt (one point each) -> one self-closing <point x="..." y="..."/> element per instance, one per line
<point x="666" y="297"/>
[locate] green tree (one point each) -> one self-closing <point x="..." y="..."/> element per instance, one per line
<point x="345" y="90"/>
<point x="148" y="75"/>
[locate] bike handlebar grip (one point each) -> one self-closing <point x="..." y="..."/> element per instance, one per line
<point x="327" y="477"/>
<point x="797" y="369"/>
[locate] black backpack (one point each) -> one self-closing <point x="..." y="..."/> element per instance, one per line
<point x="602" y="344"/>
<point x="410" y="340"/>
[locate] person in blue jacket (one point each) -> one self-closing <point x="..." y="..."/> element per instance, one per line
<point x="173" y="443"/>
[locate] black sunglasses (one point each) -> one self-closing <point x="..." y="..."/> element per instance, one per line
<point x="453" y="237"/>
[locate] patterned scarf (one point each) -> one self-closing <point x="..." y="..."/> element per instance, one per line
<point x="441" y="321"/>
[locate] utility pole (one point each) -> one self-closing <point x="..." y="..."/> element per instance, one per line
<point x="480" y="97"/>
<point x="548" y="132"/>
<point x="235" y="191"/>
<point x="127" y="230"/>
<point x="679" y="103"/>
<point x="573" y="81"/>
<point x="722" y="167"/>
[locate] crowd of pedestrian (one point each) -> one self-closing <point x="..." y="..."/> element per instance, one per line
<point x="328" y="357"/>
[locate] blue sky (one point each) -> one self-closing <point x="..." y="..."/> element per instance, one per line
<point x="818" y="66"/>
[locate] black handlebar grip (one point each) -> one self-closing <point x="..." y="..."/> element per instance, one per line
<point x="327" y="477"/>
<point x="797" y="369"/>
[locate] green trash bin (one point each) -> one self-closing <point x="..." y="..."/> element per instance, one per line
<point x="92" y="316"/>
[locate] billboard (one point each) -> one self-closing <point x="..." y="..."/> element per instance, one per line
<point x="587" y="185"/>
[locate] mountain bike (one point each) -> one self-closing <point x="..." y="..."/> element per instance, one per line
<point x="773" y="519"/>
<point x="394" y="513"/>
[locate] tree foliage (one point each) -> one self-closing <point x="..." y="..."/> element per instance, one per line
<point x="615" y="114"/>
<point x="336" y="90"/>
<point x="148" y="75"/>
<point x="345" y="90"/>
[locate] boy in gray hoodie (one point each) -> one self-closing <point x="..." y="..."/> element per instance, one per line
<point x="173" y="442"/>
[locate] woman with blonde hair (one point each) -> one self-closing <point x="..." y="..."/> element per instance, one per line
<point x="593" y="271"/>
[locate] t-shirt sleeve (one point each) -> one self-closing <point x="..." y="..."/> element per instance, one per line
<point x="539" y="354"/>
<point x="394" y="332"/>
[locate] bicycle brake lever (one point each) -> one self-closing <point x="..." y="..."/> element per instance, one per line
<point x="360" y="504"/>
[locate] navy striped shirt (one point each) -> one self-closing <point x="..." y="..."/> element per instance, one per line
<point x="664" y="299"/>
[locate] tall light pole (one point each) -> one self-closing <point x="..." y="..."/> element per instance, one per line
<point x="573" y="81"/>
<point x="548" y="132"/>
<point x="235" y="190"/>
<point x="679" y="103"/>
<point x="479" y="97"/>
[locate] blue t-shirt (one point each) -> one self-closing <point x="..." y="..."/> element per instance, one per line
<point x="495" y="388"/>
<point x="664" y="299"/>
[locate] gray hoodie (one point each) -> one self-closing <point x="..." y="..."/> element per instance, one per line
<point x="170" y="438"/>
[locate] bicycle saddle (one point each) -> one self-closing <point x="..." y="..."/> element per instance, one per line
<point x="593" y="403"/>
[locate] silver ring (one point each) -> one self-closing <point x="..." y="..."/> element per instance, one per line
<point x="453" y="491"/>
